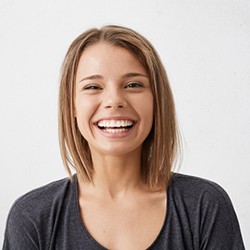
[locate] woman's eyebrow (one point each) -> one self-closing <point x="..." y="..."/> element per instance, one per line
<point x="92" y="77"/>
<point x="133" y="74"/>
<point x="127" y="75"/>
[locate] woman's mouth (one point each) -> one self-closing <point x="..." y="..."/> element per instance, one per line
<point x="115" y="126"/>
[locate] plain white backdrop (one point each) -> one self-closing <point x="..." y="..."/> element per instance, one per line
<point x="205" y="46"/>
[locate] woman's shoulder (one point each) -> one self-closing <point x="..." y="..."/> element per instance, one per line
<point x="44" y="194"/>
<point x="205" y="208"/>
<point x="40" y="201"/>
<point x="32" y="216"/>
<point x="189" y="182"/>
<point x="191" y="187"/>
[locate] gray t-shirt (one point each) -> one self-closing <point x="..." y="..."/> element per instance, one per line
<point x="200" y="215"/>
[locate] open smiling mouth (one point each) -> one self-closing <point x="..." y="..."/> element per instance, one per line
<point x="115" y="126"/>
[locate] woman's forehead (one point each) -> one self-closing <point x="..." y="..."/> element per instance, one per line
<point x="103" y="59"/>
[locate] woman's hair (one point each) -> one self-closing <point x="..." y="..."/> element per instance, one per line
<point x="160" y="148"/>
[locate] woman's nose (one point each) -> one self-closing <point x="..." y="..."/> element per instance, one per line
<point x="115" y="99"/>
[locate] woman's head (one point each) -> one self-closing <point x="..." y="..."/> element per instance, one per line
<point x="160" y="147"/>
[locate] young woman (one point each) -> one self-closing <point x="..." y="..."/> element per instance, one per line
<point x="118" y="131"/>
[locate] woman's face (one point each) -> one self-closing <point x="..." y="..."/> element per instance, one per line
<point x="113" y="100"/>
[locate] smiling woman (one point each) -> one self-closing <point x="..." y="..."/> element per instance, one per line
<point x="118" y="130"/>
<point x="119" y="48"/>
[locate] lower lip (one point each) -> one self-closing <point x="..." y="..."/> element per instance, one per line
<point x="116" y="133"/>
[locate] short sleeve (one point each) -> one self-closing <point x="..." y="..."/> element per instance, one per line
<point x="201" y="216"/>
<point x="20" y="232"/>
<point x="34" y="218"/>
<point x="219" y="227"/>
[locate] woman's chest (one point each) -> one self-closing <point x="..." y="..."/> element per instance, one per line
<point x="126" y="225"/>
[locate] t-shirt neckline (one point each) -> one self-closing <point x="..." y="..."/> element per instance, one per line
<point x="92" y="239"/>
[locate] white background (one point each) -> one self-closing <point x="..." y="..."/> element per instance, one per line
<point x="205" y="46"/>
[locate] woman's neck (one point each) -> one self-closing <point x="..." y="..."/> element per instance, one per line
<point x="115" y="176"/>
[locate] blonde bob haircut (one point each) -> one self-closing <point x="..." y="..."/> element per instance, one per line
<point x="160" y="148"/>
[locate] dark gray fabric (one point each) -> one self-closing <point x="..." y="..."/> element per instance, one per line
<point x="199" y="216"/>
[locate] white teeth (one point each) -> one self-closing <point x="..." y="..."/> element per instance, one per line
<point x="115" y="131"/>
<point x="114" y="123"/>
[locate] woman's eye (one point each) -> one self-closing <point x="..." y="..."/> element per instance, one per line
<point x="134" y="85"/>
<point x="91" y="87"/>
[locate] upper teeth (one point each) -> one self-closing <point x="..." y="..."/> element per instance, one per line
<point x="115" y="123"/>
